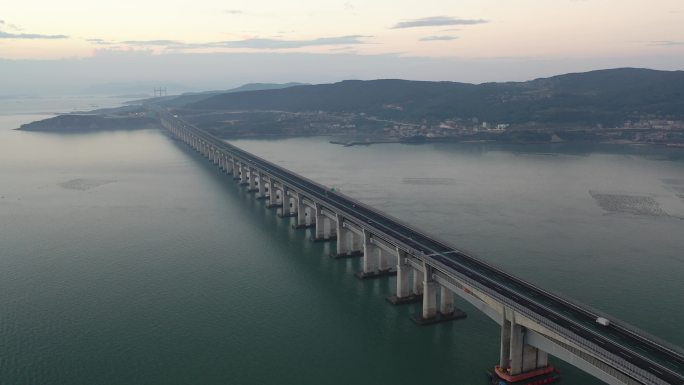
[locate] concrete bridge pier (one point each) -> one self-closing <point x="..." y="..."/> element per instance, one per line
<point x="519" y="361"/>
<point x="417" y="283"/>
<point x="275" y="196"/>
<point x="438" y="302"/>
<point x="323" y="231"/>
<point x="261" y="187"/>
<point x="404" y="294"/>
<point x="301" y="221"/>
<point x="253" y="180"/>
<point x="288" y="208"/>
<point x="347" y="244"/>
<point x="236" y="170"/>
<point x="228" y="165"/>
<point x="373" y="264"/>
<point x="243" y="175"/>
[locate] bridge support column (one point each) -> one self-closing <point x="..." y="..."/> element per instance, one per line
<point x="429" y="297"/>
<point x="236" y="170"/>
<point x="417" y="284"/>
<point x="343" y="248"/>
<point x="253" y="180"/>
<point x="446" y="301"/>
<point x="369" y="255"/>
<point x="372" y="258"/>
<point x="275" y="196"/>
<point x="517" y="348"/>
<point x="383" y="260"/>
<point x="519" y="361"/>
<point x="320" y="231"/>
<point x="261" y="187"/>
<point x="243" y="175"/>
<point x="402" y="275"/>
<point x="403" y="294"/>
<point x="288" y="208"/>
<point x="505" y="354"/>
<point x="431" y="314"/>
<point x="357" y="243"/>
<point x="348" y="244"/>
<point x="301" y="213"/>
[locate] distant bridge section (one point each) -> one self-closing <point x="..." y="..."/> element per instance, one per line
<point x="534" y="322"/>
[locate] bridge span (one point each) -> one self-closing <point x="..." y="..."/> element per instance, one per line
<point x="534" y="322"/>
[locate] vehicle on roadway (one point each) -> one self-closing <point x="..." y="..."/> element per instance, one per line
<point x="603" y="321"/>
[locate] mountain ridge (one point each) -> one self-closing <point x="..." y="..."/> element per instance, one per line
<point x="605" y="97"/>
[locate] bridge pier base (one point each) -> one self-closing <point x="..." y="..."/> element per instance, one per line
<point x="434" y="312"/>
<point x="519" y="361"/>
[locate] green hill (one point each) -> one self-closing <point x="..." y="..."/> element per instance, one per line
<point x="607" y="97"/>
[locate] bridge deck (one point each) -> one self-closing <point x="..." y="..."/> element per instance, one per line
<point x="653" y="356"/>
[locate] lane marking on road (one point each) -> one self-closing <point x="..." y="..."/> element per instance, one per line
<point x="655" y="370"/>
<point x="446" y="252"/>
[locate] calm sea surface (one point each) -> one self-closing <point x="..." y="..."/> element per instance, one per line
<point x="127" y="259"/>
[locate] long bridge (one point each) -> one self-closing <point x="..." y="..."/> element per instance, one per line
<point x="534" y="322"/>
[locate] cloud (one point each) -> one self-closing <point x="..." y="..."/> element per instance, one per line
<point x="99" y="41"/>
<point x="152" y="42"/>
<point x="437" y="21"/>
<point x="257" y="43"/>
<point x="7" y="35"/>
<point x="13" y="27"/>
<point x="438" y="38"/>
<point x="284" y="44"/>
<point x="666" y="43"/>
<point x="341" y="49"/>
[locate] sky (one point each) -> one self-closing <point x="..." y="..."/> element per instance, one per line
<point x="77" y="44"/>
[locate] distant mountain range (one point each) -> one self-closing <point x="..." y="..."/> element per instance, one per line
<point x="606" y="97"/>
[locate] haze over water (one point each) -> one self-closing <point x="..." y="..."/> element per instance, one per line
<point x="128" y="259"/>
